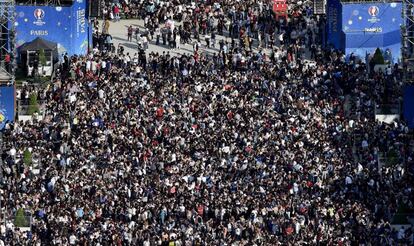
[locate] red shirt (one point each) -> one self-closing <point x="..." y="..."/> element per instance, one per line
<point x="160" y="112"/>
<point x="200" y="210"/>
<point x="7" y="58"/>
<point x="289" y="230"/>
<point x="116" y="10"/>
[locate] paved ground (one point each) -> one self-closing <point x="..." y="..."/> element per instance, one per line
<point x="118" y="30"/>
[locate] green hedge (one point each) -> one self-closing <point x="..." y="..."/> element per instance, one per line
<point x="33" y="104"/>
<point x="392" y="157"/>
<point x="42" y="57"/>
<point x="378" y="58"/>
<point x="27" y="157"/>
<point x="20" y="220"/>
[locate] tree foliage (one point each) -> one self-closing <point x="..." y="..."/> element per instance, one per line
<point x="27" y="157"/>
<point x="33" y="104"/>
<point x="20" y="220"/>
<point x="42" y="57"/>
<point x="378" y="58"/>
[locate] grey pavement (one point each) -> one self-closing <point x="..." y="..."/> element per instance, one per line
<point x="118" y="30"/>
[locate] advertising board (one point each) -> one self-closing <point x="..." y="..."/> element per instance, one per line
<point x="7" y="105"/>
<point x="66" y="26"/>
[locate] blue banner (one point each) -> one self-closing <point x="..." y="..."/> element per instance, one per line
<point x="360" y="28"/>
<point x="334" y="23"/>
<point x="369" y="26"/>
<point x="371" y="18"/>
<point x="7" y="107"/>
<point x="66" y="26"/>
<point x="80" y="28"/>
<point x="409" y="106"/>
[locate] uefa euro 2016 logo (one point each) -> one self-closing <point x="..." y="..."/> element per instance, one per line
<point x="373" y="11"/>
<point x="39" y="14"/>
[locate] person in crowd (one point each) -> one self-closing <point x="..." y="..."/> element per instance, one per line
<point x="130" y="31"/>
<point x="106" y="25"/>
<point x="7" y="62"/>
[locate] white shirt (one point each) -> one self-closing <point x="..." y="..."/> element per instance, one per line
<point x="72" y="240"/>
<point x="364" y="144"/>
<point x="101" y="93"/>
<point x="348" y="180"/>
<point x="72" y="98"/>
<point x="389" y="71"/>
<point x="401" y="233"/>
<point x="93" y="66"/>
<point x="13" y="152"/>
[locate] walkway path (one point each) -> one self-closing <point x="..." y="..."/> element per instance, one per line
<point x="118" y="30"/>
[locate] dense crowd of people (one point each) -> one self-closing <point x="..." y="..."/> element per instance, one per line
<point x="234" y="148"/>
<point x="247" y="22"/>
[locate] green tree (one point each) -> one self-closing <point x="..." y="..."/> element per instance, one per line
<point x="20" y="219"/>
<point x="33" y="104"/>
<point x="42" y="58"/>
<point x="378" y="58"/>
<point x="27" y="157"/>
<point x="392" y="157"/>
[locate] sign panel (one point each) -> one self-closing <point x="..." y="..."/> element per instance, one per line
<point x="369" y="26"/>
<point x="334" y="15"/>
<point x="360" y="28"/>
<point x="66" y="26"/>
<point x="80" y="25"/>
<point x="7" y="105"/>
<point x="372" y="18"/>
<point x="280" y="6"/>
